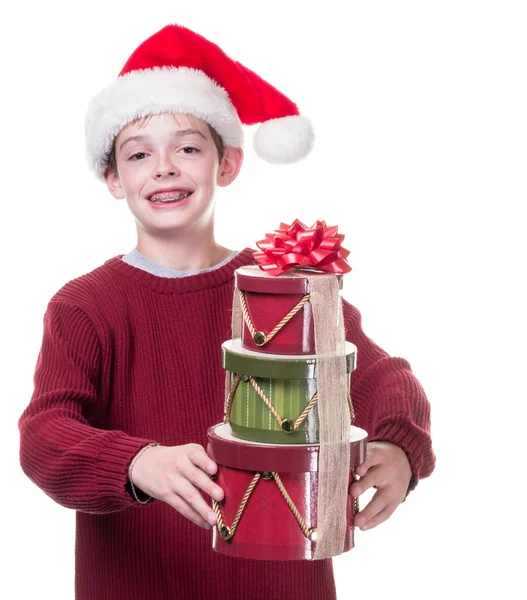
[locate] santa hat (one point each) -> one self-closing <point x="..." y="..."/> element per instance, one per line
<point x="179" y="71"/>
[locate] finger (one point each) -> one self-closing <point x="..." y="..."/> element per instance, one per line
<point x="379" y="518"/>
<point x="377" y="505"/>
<point x="362" y="469"/>
<point x="373" y="478"/>
<point x="189" y="513"/>
<point x="373" y="458"/>
<point x="190" y="496"/>
<point x="198" y="457"/>
<point x="202" y="481"/>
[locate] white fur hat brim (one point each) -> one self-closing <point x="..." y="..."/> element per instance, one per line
<point x="156" y="91"/>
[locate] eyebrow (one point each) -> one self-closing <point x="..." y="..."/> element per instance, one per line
<point x="177" y="134"/>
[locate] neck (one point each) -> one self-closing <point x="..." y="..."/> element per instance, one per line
<point x="188" y="254"/>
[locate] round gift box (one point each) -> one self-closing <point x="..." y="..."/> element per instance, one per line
<point x="288" y="382"/>
<point x="267" y="528"/>
<point x="269" y="299"/>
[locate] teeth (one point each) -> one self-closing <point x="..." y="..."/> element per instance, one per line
<point x="169" y="197"/>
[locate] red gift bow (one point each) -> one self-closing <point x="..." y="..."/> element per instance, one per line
<point x="296" y="245"/>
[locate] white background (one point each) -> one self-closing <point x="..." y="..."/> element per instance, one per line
<point x="420" y="114"/>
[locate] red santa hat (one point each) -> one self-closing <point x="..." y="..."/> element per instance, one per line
<point x="179" y="71"/>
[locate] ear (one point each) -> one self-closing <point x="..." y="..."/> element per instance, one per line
<point x="230" y="165"/>
<point x="114" y="184"/>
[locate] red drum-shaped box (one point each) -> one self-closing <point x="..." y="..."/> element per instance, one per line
<point x="270" y="507"/>
<point x="277" y="316"/>
<point x="273" y="398"/>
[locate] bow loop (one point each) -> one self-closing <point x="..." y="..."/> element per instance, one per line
<point x="317" y="247"/>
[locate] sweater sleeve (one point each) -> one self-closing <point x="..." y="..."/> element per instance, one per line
<point x="74" y="462"/>
<point x="389" y="402"/>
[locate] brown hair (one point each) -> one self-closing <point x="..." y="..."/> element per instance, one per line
<point x="111" y="160"/>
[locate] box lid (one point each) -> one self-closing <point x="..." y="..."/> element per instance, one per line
<point x="242" y="361"/>
<point x="226" y="449"/>
<point x="252" y="279"/>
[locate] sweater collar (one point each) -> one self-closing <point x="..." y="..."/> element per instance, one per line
<point x="181" y="285"/>
<point x="136" y="259"/>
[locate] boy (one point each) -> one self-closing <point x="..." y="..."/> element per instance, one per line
<point x="129" y="376"/>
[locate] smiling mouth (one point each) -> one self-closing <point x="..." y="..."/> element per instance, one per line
<point x="168" y="197"/>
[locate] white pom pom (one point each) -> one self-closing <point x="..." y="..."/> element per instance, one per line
<point x="284" y="140"/>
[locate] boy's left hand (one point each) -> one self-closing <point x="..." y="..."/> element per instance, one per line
<point x="387" y="469"/>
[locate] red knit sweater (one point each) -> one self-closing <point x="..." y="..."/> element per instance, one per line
<point x="128" y="358"/>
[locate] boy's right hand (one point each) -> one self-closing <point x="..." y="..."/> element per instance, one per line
<point x="174" y="474"/>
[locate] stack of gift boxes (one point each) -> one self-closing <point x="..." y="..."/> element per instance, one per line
<point x="267" y="446"/>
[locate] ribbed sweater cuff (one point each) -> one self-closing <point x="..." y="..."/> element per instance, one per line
<point x="111" y="472"/>
<point x="413" y="440"/>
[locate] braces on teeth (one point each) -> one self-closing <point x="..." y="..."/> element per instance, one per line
<point x="171" y="197"/>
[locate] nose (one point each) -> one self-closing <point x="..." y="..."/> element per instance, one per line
<point x="165" y="168"/>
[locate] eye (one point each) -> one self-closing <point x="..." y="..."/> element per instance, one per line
<point x="137" y="156"/>
<point x="189" y="150"/>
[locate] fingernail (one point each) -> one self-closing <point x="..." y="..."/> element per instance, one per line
<point x="357" y="491"/>
<point x="212" y="518"/>
<point x="207" y="526"/>
<point x="218" y="494"/>
<point x="364" y="527"/>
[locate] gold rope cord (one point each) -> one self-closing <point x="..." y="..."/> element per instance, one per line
<point x="334" y="415"/>
<point x="227" y="532"/>
<point x="325" y="475"/>
<point x="286" y="424"/>
<point x="230" y="398"/>
<point x="356" y="507"/>
<point x="236" y="327"/>
<point x="352" y="411"/>
<point x="308" y="533"/>
<point x="260" y="337"/>
<point x="289" y="426"/>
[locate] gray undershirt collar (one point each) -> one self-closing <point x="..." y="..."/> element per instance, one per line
<point x="136" y="259"/>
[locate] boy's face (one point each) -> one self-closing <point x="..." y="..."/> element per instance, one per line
<point x="168" y="169"/>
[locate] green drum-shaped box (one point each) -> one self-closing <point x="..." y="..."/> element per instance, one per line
<point x="272" y="398"/>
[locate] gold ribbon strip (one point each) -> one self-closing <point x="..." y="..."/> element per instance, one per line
<point x="333" y="415"/>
